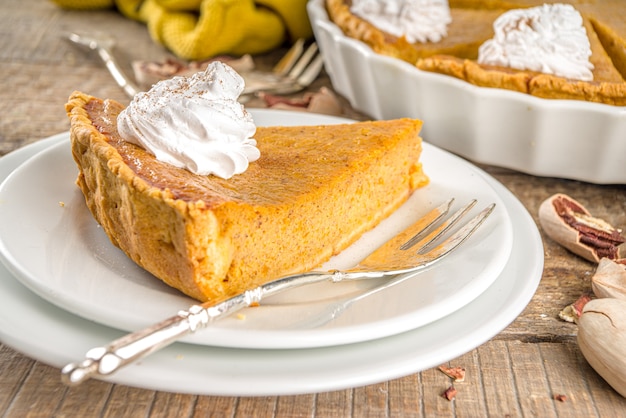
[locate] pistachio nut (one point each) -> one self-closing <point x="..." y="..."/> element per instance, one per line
<point x="602" y="340"/>
<point x="568" y="223"/>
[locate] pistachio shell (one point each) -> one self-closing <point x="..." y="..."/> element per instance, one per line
<point x="609" y="280"/>
<point x="602" y="340"/>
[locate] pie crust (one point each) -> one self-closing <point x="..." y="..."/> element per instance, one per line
<point x="313" y="192"/>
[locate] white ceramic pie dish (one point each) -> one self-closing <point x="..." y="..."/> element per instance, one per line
<point x="552" y="138"/>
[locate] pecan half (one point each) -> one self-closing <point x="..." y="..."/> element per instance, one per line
<point x="568" y="222"/>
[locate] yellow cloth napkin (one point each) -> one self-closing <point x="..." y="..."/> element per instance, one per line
<point x="200" y="29"/>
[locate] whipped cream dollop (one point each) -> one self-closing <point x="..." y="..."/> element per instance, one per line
<point x="194" y="123"/>
<point x="416" y="20"/>
<point x="550" y="39"/>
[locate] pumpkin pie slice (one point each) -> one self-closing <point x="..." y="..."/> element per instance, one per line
<point x="313" y="192"/>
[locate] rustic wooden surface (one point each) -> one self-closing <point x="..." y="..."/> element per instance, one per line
<point x="515" y="374"/>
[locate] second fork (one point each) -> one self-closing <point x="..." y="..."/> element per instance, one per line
<point x="294" y="72"/>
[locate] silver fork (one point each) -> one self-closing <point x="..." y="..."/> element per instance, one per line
<point x="296" y="70"/>
<point x="408" y="252"/>
<point x="103" y="45"/>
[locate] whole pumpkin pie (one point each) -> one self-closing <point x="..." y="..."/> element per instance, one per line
<point x="313" y="192"/>
<point x="472" y="24"/>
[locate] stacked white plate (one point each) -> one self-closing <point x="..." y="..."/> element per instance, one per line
<point x="65" y="289"/>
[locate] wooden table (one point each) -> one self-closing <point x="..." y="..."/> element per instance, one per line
<point x="517" y="373"/>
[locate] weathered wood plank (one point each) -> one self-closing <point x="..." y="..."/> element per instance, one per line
<point x="264" y="406"/>
<point x="88" y="399"/>
<point x="469" y="400"/>
<point x="501" y="395"/>
<point x="300" y="406"/>
<point x="39" y="396"/>
<point x="337" y="403"/>
<point x="124" y="401"/>
<point x="433" y="384"/>
<point x="166" y="403"/>
<point x="14" y="368"/>
<point x="534" y="394"/>
<point x="405" y="398"/>
<point x="563" y="375"/>
<point x="371" y="401"/>
<point x="215" y="406"/>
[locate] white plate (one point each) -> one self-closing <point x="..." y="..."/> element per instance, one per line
<point x="52" y="335"/>
<point x="557" y="138"/>
<point x="62" y="254"/>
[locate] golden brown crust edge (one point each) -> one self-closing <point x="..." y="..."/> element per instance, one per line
<point x="160" y="242"/>
<point x="357" y="28"/>
<point x="535" y="84"/>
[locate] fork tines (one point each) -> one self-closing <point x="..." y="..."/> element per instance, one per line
<point x="426" y="245"/>
<point x="429" y="234"/>
<point x="300" y="65"/>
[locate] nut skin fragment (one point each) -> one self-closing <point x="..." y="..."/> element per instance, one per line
<point x="324" y="101"/>
<point x="580" y="303"/>
<point x="449" y="393"/>
<point x="602" y="340"/>
<point x="609" y="280"/>
<point x="572" y="312"/>
<point x="456" y="373"/>
<point x="568" y="223"/>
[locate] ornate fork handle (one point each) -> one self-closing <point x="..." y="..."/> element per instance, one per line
<point x="102" y="361"/>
